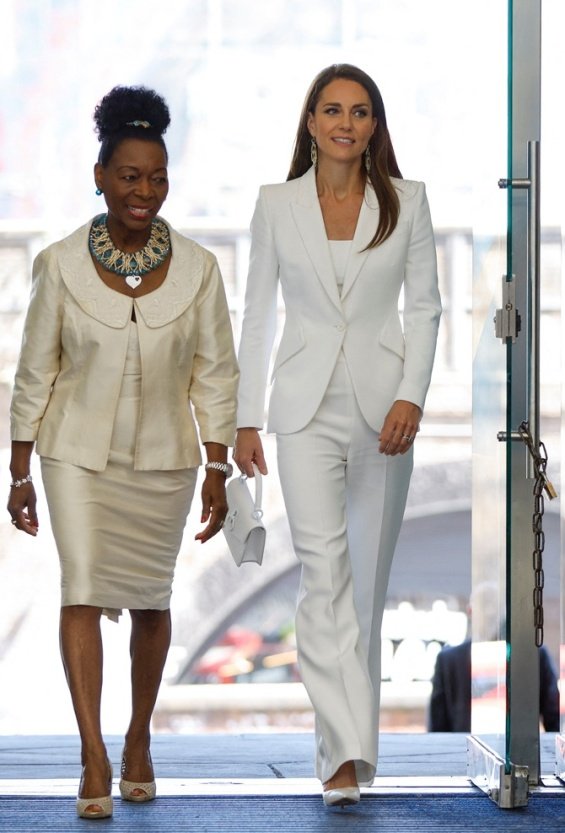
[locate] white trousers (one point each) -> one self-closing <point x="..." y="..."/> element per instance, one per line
<point x="345" y="504"/>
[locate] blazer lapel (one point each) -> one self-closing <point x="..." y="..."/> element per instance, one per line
<point x="82" y="281"/>
<point x="366" y="227"/>
<point x="310" y="224"/>
<point x="179" y="288"/>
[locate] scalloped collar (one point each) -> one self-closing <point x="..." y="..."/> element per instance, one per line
<point x="109" y="307"/>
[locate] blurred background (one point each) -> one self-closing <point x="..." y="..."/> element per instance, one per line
<point x="235" y="73"/>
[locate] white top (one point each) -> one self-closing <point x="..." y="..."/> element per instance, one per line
<point x="339" y="251"/>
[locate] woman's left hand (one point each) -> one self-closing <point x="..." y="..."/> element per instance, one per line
<point x="214" y="505"/>
<point x="400" y="427"/>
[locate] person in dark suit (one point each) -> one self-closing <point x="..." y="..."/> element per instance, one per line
<point x="450" y="702"/>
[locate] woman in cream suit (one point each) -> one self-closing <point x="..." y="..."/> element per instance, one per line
<point x="343" y="237"/>
<point x="127" y="334"/>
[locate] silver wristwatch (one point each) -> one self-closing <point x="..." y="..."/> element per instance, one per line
<point x="225" y="468"/>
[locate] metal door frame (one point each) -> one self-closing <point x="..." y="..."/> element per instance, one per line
<point x="506" y="778"/>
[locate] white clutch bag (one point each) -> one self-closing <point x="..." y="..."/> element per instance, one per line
<point x="243" y="528"/>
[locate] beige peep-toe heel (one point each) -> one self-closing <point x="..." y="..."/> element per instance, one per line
<point x="96" y="808"/>
<point x="139" y="791"/>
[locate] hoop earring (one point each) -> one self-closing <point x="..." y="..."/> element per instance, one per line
<point x="314" y="152"/>
<point x="367" y="159"/>
<point x="98" y="192"/>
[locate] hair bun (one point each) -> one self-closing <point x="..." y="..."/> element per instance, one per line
<point x="123" y="107"/>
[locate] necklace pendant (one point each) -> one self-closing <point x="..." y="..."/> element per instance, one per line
<point x="133" y="280"/>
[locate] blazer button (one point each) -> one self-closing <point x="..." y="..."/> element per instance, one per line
<point x="340" y="327"/>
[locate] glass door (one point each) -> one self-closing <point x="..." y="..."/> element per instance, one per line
<point x="509" y="484"/>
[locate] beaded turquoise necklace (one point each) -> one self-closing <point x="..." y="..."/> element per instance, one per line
<point x="130" y="265"/>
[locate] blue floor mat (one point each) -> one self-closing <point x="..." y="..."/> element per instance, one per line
<point x="273" y="814"/>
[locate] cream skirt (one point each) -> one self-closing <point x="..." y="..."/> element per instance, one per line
<point x="118" y="532"/>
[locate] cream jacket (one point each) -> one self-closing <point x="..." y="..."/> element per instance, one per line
<point x="74" y="348"/>
<point x="388" y="358"/>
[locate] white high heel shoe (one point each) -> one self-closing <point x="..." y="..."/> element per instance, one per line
<point x="341" y="796"/>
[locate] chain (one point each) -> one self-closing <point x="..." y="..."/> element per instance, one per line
<point x="541" y="484"/>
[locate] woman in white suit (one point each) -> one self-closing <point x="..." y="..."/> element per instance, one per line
<point x="344" y="236"/>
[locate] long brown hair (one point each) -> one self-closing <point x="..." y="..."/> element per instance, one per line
<point x="383" y="159"/>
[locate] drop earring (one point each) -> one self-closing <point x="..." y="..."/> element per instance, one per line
<point x="367" y="158"/>
<point x="314" y="152"/>
<point x="98" y="192"/>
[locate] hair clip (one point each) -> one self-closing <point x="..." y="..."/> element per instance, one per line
<point x="138" y="123"/>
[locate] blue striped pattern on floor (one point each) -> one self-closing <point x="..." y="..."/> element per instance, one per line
<point x="275" y="814"/>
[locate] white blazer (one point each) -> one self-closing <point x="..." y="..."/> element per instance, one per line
<point x="387" y="359"/>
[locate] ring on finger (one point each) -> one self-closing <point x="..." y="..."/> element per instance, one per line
<point x="408" y="438"/>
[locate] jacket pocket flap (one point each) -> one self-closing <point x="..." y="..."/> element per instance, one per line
<point x="392" y="336"/>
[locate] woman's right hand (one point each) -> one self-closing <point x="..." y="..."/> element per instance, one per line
<point x="248" y="450"/>
<point x="22" y="507"/>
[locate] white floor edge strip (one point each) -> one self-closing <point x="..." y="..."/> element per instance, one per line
<point x="437" y="785"/>
<point x="240" y="786"/>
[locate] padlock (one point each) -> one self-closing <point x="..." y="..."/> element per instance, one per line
<point x="549" y="488"/>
